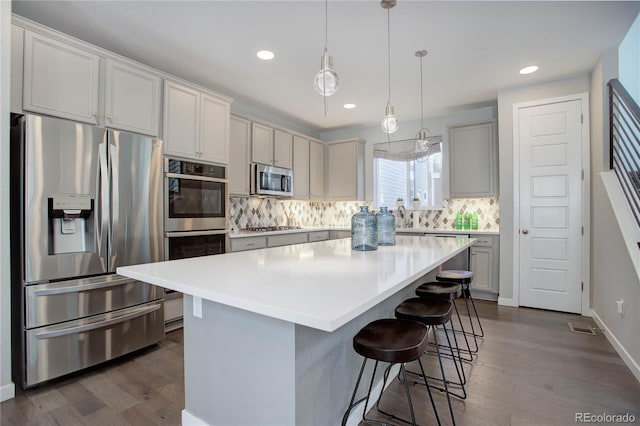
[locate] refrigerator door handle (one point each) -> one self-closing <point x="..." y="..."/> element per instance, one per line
<point x="103" y="187"/>
<point x="100" y="324"/>
<point x="115" y="199"/>
<point x="81" y="287"/>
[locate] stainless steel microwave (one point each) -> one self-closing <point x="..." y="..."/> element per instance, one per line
<point x="269" y="180"/>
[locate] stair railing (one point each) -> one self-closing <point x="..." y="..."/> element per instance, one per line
<point x="624" y="137"/>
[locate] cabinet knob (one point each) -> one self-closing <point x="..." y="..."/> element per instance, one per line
<point x="525" y="231"/>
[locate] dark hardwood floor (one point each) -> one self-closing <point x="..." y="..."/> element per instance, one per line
<point x="531" y="370"/>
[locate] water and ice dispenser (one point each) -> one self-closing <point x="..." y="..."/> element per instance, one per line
<point x="71" y="223"/>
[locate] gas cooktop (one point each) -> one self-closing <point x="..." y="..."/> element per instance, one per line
<point x="270" y="228"/>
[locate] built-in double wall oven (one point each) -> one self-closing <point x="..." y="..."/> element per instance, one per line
<point x="196" y="219"/>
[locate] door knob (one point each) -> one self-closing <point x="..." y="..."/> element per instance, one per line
<point x="525" y="231"/>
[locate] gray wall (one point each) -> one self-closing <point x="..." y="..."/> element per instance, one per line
<point x="613" y="276"/>
<point x="437" y="125"/>
<point x="506" y="99"/>
<point x="6" y="386"/>
<point x="629" y="55"/>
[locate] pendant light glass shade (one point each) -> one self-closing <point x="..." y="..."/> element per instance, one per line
<point x="326" y="81"/>
<point x="389" y="122"/>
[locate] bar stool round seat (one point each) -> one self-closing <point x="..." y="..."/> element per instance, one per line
<point x="391" y="340"/>
<point x="456" y="276"/>
<point x="394" y="341"/>
<point x="428" y="312"/>
<point x="439" y="290"/>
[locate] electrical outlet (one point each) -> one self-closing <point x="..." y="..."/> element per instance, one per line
<point x="620" y="306"/>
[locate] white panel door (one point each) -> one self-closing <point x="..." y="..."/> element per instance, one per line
<point x="550" y="138"/>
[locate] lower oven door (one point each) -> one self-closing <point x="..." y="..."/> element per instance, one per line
<point x="59" y="349"/>
<point x="73" y="299"/>
<point x="182" y="245"/>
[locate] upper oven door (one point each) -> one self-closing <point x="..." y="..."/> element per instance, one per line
<point x="195" y="202"/>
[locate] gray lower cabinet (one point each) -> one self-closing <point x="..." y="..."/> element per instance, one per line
<point x="334" y="235"/>
<point x="286" y="239"/>
<point x="318" y="236"/>
<point x="248" y="243"/>
<point x="484" y="260"/>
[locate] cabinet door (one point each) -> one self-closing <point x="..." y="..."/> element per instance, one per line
<point x="472" y="153"/>
<point x="132" y="99"/>
<point x="214" y="129"/>
<point x="481" y="266"/>
<point x="316" y="170"/>
<point x="181" y="120"/>
<point x="262" y="144"/>
<point x="300" y="168"/>
<point x="346" y="171"/>
<point x="282" y="149"/>
<point x="239" y="139"/>
<point x="60" y="80"/>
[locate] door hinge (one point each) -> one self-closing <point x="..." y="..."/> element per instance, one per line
<point x="581" y="118"/>
<point x="583" y="230"/>
<point x="582" y="286"/>
<point x="582" y="174"/>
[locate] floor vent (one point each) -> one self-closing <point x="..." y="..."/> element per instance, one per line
<point x="581" y="328"/>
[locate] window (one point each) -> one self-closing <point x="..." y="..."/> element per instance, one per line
<point x="407" y="179"/>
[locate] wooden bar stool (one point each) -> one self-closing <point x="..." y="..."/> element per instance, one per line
<point x="432" y="313"/>
<point x="448" y="291"/>
<point x="395" y="341"/>
<point x="463" y="278"/>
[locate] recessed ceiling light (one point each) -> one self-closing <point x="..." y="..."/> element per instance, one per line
<point x="528" y="70"/>
<point x="349" y="106"/>
<point x="265" y="55"/>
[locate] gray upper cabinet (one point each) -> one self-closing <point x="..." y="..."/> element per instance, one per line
<point x="473" y="161"/>
<point x="261" y="144"/>
<point x="282" y="149"/>
<point x="60" y="79"/>
<point x="300" y="168"/>
<point x="132" y="98"/>
<point x="316" y="171"/>
<point x="239" y="142"/>
<point x="345" y="165"/>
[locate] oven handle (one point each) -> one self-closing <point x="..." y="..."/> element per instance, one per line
<point x="194" y="177"/>
<point x="194" y="233"/>
<point x="101" y="324"/>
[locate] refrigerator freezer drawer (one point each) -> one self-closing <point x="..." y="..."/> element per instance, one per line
<point x="69" y="300"/>
<point x="64" y="348"/>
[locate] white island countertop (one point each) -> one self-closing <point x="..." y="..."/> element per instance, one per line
<point x="322" y="285"/>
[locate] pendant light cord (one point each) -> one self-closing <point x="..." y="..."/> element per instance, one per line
<point x="421" y="100"/>
<point x="389" y="50"/>
<point x="324" y="54"/>
<point x="326" y="24"/>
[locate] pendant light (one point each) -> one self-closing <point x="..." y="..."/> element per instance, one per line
<point x="422" y="143"/>
<point x="389" y="122"/>
<point x="326" y="80"/>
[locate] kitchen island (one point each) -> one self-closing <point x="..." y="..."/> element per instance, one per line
<point x="267" y="333"/>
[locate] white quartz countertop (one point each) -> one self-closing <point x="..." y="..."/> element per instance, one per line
<point x="322" y="285"/>
<point x="243" y="234"/>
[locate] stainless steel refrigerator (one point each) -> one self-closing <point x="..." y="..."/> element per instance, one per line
<point x="85" y="200"/>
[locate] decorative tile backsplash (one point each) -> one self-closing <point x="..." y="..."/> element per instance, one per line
<point x="252" y="211"/>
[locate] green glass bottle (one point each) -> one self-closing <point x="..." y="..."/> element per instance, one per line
<point x="474" y="220"/>
<point x="467" y="220"/>
<point x="458" y="221"/>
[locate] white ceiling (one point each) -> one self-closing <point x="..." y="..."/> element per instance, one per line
<point x="475" y="48"/>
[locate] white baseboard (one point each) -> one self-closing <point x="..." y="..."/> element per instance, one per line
<point x="7" y="392"/>
<point x="502" y="301"/>
<point x="624" y="354"/>
<point x="355" y="417"/>
<point x="189" y="419"/>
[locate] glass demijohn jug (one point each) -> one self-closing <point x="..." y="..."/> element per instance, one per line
<point x="364" y="230"/>
<point x="386" y="228"/>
